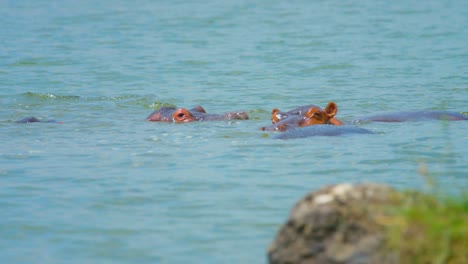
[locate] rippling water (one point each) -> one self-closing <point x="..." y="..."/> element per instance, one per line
<point x="105" y="186"/>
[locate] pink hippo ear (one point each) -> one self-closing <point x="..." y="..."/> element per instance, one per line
<point x="155" y="116"/>
<point x="274" y="116"/>
<point x="182" y="115"/>
<point x="331" y="109"/>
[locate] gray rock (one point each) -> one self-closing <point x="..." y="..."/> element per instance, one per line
<point x="336" y="224"/>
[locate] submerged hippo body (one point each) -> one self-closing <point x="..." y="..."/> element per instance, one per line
<point x="33" y="119"/>
<point x="303" y="116"/>
<point x="293" y="121"/>
<point x="413" y="116"/>
<point x="321" y="130"/>
<point x="182" y="115"/>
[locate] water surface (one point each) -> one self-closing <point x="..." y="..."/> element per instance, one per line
<point x="108" y="187"/>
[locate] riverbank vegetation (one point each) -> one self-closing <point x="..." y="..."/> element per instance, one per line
<point x="430" y="229"/>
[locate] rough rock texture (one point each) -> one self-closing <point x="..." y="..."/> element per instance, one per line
<point x="336" y="224"/>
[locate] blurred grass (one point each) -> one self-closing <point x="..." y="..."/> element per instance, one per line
<point x="429" y="228"/>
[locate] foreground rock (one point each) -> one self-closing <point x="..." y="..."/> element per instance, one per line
<point x="336" y="224"/>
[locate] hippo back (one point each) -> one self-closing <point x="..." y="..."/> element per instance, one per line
<point x="413" y="116"/>
<point x="216" y="117"/>
<point x="33" y="119"/>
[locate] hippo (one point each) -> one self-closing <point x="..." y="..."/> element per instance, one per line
<point x="198" y="113"/>
<point x="33" y="119"/>
<point x="407" y="116"/>
<point x="321" y="130"/>
<point x="330" y="111"/>
<point x="303" y="116"/>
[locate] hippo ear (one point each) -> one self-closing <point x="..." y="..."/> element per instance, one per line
<point x="275" y="117"/>
<point x="182" y="115"/>
<point x="198" y="108"/>
<point x="154" y="116"/>
<point x="331" y="109"/>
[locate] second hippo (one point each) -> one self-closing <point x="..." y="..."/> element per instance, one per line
<point x="198" y="113"/>
<point x="303" y="116"/>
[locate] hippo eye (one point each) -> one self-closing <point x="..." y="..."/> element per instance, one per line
<point x="181" y="115"/>
<point x="318" y="116"/>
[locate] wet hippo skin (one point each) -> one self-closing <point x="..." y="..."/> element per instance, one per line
<point x="407" y="116"/>
<point x="33" y="119"/>
<point x="303" y="116"/>
<point x="182" y="115"/>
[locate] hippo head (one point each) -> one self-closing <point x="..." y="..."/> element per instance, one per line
<point x="171" y="114"/>
<point x="313" y="116"/>
<point x="316" y="116"/>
